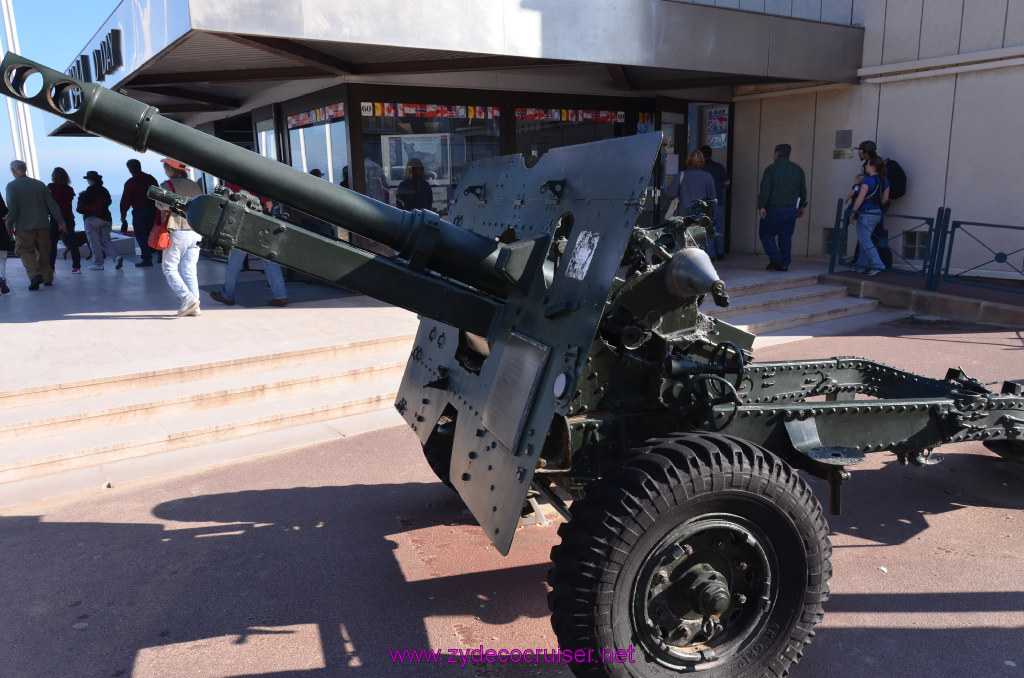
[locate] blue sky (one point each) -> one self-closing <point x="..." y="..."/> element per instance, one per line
<point x="53" y="32"/>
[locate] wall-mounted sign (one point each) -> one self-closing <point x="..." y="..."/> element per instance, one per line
<point x="72" y="99"/>
<point x="718" y="126"/>
<point x="80" y="69"/>
<point x="108" y="58"/>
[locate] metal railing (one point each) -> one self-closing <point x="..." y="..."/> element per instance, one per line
<point x="976" y="267"/>
<point x="978" y="249"/>
<point x="923" y="268"/>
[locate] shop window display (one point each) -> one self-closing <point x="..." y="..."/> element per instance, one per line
<point x="445" y="138"/>
<point x="538" y="130"/>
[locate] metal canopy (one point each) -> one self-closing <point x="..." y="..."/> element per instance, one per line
<point x="222" y="60"/>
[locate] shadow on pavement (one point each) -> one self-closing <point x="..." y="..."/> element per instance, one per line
<point x="239" y="569"/>
<point x="891" y="504"/>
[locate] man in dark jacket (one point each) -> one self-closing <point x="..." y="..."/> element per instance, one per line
<point x="135" y="196"/>
<point x="715" y="247"/>
<point x="29" y="203"/>
<point x="780" y="202"/>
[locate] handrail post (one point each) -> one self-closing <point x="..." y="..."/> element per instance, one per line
<point x="937" y="242"/>
<point x="836" y="234"/>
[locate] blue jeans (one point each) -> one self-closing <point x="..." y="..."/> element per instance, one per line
<point x="275" y="277"/>
<point x="716" y="245"/>
<point x="778" y="225"/>
<point x="142" y="224"/>
<point x="868" y="257"/>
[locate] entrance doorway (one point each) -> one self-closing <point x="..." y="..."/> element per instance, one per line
<point x="687" y="126"/>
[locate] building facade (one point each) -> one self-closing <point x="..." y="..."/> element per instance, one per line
<point x="357" y="90"/>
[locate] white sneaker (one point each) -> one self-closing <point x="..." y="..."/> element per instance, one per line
<point x="874" y="271"/>
<point x="188" y="306"/>
<point x="196" y="311"/>
<point x="96" y="267"/>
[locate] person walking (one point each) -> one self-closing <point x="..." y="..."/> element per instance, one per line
<point x="716" y="246"/>
<point x="64" y="196"/>
<point x="272" y="270"/>
<point x="866" y="150"/>
<point x="182" y="256"/>
<point x="134" y="196"/>
<point x="29" y="204"/>
<point x="691" y="184"/>
<point x="94" y="205"/>
<point x="780" y="202"/>
<point x="871" y="195"/>
<point x="5" y="245"/>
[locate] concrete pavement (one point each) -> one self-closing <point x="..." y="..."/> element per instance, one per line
<point x="317" y="562"/>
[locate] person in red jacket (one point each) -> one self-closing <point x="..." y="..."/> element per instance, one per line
<point x="64" y="196"/>
<point x="135" y="196"/>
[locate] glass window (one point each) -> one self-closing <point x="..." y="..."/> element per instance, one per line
<point x="265" y="139"/>
<point x="540" y="129"/>
<point x="319" y="141"/>
<point x="337" y="168"/>
<point x="444" y="138"/>
<point x="915" y="245"/>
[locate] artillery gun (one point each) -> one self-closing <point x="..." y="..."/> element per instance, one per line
<point x="562" y="351"/>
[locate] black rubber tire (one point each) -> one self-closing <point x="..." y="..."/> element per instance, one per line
<point x="438" y="450"/>
<point x="684" y="483"/>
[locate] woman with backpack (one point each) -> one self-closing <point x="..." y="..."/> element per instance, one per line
<point x="867" y="207"/>
<point x="94" y="205"/>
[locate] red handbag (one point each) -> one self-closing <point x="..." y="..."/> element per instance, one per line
<point x="159" y="238"/>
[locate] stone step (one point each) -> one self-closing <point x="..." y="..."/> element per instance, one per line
<point x="26" y="459"/>
<point x="183" y="374"/>
<point x="120" y="407"/>
<point x="98" y="478"/>
<point x="847" y="325"/>
<point x="762" y="322"/>
<point x="788" y="297"/>
<point x="742" y="283"/>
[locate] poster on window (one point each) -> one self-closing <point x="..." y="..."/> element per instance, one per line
<point x="433" y="150"/>
<point x="718" y="126"/>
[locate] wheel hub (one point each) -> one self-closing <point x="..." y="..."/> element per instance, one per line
<point x="703" y="591"/>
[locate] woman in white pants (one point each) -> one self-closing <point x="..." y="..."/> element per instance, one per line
<point x="182" y="255"/>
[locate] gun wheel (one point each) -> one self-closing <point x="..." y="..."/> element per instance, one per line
<point x="702" y="553"/>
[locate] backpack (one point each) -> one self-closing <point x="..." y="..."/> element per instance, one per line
<point x="897" y="179"/>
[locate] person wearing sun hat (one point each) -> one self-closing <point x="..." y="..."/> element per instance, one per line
<point x="182" y="256"/>
<point x="94" y="206"/>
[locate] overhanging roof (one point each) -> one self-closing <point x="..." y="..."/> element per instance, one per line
<point x="222" y="58"/>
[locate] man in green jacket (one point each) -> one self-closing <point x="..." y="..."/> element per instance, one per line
<point x="29" y="203"/>
<point x="781" y="200"/>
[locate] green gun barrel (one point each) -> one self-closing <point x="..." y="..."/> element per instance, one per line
<point x="455" y="252"/>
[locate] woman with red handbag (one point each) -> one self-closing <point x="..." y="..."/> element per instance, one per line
<point x="182" y="254"/>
